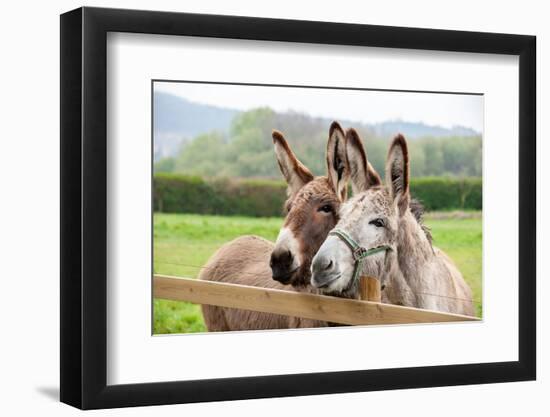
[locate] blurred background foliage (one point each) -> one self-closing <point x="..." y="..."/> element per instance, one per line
<point x="233" y="171"/>
<point x="246" y="150"/>
<point x="174" y="193"/>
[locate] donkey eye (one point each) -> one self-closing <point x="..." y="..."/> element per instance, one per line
<point x="327" y="208"/>
<point x="377" y="222"/>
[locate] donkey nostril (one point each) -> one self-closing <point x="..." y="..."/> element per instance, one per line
<point x="281" y="259"/>
<point x="321" y="265"/>
<point x="285" y="257"/>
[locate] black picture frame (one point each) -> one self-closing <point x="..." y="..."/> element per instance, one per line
<point x="84" y="207"/>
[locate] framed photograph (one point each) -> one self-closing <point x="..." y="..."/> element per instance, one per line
<point x="259" y="208"/>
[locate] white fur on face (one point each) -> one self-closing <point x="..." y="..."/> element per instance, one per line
<point x="355" y="217"/>
<point x="333" y="249"/>
<point x="287" y="241"/>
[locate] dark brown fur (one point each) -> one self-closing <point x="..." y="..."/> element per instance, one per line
<point x="309" y="225"/>
<point x="246" y="260"/>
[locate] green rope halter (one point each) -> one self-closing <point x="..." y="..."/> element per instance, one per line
<point x="359" y="253"/>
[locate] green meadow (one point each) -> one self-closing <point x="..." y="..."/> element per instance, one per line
<point x="184" y="242"/>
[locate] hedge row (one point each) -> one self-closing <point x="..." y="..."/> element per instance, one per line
<point x="246" y="197"/>
<point x="265" y="198"/>
<point x="439" y="193"/>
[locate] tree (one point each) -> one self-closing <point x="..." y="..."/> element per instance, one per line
<point x="433" y="157"/>
<point x="165" y="165"/>
<point x="203" y="156"/>
<point x="247" y="150"/>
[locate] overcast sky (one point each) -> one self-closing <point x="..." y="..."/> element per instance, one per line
<point x="445" y="110"/>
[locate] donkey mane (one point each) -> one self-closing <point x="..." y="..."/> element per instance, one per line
<point x="414" y="273"/>
<point x="417" y="210"/>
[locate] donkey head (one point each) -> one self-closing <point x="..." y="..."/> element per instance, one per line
<point x="372" y="218"/>
<point x="312" y="207"/>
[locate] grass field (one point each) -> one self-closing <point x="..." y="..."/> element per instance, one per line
<point x="184" y="242"/>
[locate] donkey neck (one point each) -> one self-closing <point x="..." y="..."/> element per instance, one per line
<point x="414" y="252"/>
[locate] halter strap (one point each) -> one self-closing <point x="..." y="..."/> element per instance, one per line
<point x="359" y="253"/>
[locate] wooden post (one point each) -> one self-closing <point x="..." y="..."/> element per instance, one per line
<point x="370" y="289"/>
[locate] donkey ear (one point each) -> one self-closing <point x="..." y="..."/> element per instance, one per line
<point x="397" y="173"/>
<point x="337" y="166"/>
<point x="363" y="175"/>
<point x="295" y="173"/>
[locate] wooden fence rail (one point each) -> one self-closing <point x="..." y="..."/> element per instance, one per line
<point x="290" y="303"/>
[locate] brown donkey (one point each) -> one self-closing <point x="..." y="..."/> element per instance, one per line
<point x="312" y="211"/>
<point x="381" y="217"/>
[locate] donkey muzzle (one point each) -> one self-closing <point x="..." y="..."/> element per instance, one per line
<point x="325" y="266"/>
<point x="282" y="263"/>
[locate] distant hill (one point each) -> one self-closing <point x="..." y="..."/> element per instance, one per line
<point x="419" y="130"/>
<point x="177" y="120"/>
